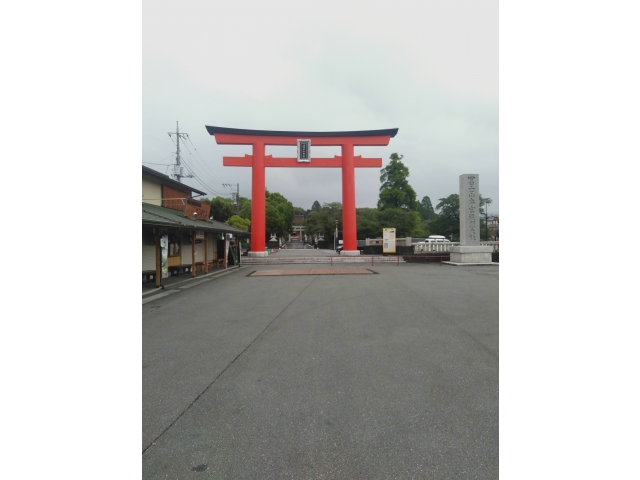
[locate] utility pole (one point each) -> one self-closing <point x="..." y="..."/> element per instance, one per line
<point x="487" y="201"/>
<point x="237" y="195"/>
<point x="177" y="168"/>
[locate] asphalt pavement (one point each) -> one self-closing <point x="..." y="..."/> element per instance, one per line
<point x="392" y="375"/>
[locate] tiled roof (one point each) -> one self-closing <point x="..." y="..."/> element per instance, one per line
<point x="161" y="216"/>
<point x="166" y="180"/>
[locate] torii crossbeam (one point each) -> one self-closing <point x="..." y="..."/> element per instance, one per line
<point x="258" y="161"/>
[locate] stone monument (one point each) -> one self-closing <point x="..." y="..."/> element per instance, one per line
<point x="470" y="252"/>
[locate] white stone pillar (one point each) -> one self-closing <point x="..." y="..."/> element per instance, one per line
<point x="470" y="251"/>
<point x="469" y="210"/>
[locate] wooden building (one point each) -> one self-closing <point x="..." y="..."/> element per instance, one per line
<point x="178" y="234"/>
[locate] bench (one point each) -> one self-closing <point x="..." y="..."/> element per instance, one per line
<point x="179" y="269"/>
<point x="216" y="262"/>
<point x="148" y="275"/>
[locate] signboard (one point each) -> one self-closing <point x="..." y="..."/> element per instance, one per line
<point x="201" y="209"/>
<point x="164" y="255"/>
<point x="388" y="240"/>
<point x="304" y="151"/>
<point x="199" y="234"/>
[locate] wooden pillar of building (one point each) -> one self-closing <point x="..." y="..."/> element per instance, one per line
<point x="206" y="252"/>
<point x="158" y="266"/>
<point x="193" y="253"/>
<point x="224" y="250"/>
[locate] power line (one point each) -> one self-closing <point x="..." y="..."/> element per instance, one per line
<point x="201" y="182"/>
<point x="202" y="160"/>
<point x="151" y="163"/>
<point x="192" y="168"/>
<point x="237" y="195"/>
<point x="155" y="138"/>
<point x="178" y="166"/>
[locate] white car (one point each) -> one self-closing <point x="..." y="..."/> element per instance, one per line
<point x="436" y="238"/>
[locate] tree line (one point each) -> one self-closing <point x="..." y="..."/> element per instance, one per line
<point x="397" y="208"/>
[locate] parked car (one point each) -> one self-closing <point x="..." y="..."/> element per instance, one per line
<point x="436" y="238"/>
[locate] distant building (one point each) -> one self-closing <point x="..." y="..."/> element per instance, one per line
<point x="298" y="227"/>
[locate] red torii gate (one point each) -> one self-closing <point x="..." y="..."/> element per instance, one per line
<point x="304" y="140"/>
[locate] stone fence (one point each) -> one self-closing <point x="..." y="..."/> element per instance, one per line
<point x="434" y="247"/>
<point x="423" y="247"/>
<point x="419" y="246"/>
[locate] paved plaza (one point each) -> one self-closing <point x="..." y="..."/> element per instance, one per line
<point x="385" y="375"/>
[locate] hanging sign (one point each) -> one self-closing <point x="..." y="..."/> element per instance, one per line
<point x="304" y="151"/>
<point x="388" y="240"/>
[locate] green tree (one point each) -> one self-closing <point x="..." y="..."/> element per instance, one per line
<point x="425" y="209"/>
<point x="318" y="221"/>
<point x="395" y="191"/>
<point x="447" y="222"/>
<point x="484" y="210"/>
<point x="279" y="214"/>
<point x="245" y="208"/>
<point x="239" y="222"/>
<point x="334" y="209"/>
<point x="221" y="208"/>
<point x="484" y="203"/>
<point x="367" y="224"/>
<point x="316" y="207"/>
<point x="406" y="223"/>
<point x="323" y="220"/>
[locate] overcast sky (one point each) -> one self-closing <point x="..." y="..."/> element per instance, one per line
<point x="428" y="68"/>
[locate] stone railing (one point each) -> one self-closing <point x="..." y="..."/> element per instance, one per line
<point x="428" y="247"/>
<point x="424" y="247"/>
<point x="495" y="245"/>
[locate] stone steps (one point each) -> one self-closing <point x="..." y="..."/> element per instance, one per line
<point x="274" y="260"/>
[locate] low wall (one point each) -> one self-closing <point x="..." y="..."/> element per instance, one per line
<point x="377" y="250"/>
<point x="435" y="257"/>
<point x="427" y="257"/>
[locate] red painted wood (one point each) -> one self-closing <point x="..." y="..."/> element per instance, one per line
<point x="349" y="234"/>
<point x="258" y="200"/>
<point x="258" y="162"/>
<point x="270" y="161"/>
<point x="232" y="139"/>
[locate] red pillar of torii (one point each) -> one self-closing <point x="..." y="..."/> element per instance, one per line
<point x="258" y="161"/>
